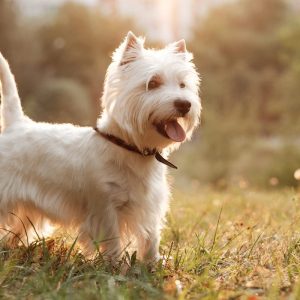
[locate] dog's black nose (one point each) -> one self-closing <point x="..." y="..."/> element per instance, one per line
<point x="182" y="106"/>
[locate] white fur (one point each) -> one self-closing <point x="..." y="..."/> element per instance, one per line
<point x="74" y="177"/>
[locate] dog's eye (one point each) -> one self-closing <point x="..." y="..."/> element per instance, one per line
<point x="153" y="84"/>
<point x="182" y="85"/>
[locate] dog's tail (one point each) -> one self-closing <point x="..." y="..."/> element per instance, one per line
<point x="11" y="109"/>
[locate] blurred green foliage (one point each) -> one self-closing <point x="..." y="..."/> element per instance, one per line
<point x="248" y="54"/>
<point x="78" y="42"/>
<point x="74" y="42"/>
<point x="66" y="97"/>
<point x="242" y="56"/>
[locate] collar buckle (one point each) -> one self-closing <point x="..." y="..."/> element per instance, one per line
<point x="146" y="152"/>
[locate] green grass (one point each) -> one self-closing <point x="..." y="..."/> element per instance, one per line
<point x="234" y="244"/>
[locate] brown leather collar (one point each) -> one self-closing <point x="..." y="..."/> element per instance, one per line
<point x="146" y="152"/>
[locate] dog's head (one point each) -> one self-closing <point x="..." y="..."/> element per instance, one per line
<point x="152" y="94"/>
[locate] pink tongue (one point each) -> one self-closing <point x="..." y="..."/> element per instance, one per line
<point x="174" y="131"/>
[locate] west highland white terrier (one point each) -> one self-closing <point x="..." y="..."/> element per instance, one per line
<point x="108" y="182"/>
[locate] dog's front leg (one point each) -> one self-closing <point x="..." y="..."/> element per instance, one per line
<point x="149" y="247"/>
<point x="101" y="230"/>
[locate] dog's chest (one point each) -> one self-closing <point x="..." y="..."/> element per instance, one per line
<point x="130" y="189"/>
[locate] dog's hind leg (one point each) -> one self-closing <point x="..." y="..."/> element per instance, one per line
<point x="11" y="109"/>
<point x="21" y="225"/>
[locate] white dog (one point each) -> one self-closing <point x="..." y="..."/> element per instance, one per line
<point x="109" y="183"/>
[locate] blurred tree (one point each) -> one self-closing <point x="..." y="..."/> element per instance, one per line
<point x="8" y="27"/>
<point x="238" y="47"/>
<point x="19" y="46"/>
<point x="288" y="87"/>
<point x="78" y="42"/>
<point x="248" y="55"/>
<point x="60" y="101"/>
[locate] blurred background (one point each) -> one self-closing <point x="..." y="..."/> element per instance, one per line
<point x="247" y="52"/>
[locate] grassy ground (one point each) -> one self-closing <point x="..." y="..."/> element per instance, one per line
<point x="235" y="244"/>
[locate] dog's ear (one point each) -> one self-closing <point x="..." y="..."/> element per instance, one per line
<point x="130" y="49"/>
<point x="132" y="42"/>
<point x="180" y="46"/>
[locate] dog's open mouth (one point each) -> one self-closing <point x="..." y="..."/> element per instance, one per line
<point x="171" y="129"/>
